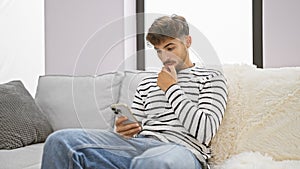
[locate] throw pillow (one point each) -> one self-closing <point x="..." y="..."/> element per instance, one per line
<point x="21" y="121"/>
<point x="262" y="114"/>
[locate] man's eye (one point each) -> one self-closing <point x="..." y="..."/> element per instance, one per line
<point x="170" y="49"/>
<point x="158" y="51"/>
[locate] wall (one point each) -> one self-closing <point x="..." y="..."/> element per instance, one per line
<point x="22" y="42"/>
<point x="281" y="33"/>
<point x="84" y="37"/>
<point x="130" y="34"/>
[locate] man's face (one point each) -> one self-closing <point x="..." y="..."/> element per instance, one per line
<point x="174" y="52"/>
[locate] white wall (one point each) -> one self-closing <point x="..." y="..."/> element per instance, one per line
<point x="281" y="33"/>
<point x="226" y="24"/>
<point x="84" y="37"/>
<point x="22" y="41"/>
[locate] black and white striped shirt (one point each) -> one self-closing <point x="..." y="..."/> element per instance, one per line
<point x="188" y="113"/>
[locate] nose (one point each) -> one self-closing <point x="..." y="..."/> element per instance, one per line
<point x="165" y="55"/>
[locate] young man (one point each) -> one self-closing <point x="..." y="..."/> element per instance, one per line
<point x="179" y="111"/>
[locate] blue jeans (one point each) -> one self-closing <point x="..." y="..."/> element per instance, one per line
<point x="99" y="149"/>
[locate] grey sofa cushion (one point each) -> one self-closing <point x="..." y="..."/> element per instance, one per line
<point x="21" y="121"/>
<point x="130" y="83"/>
<point x="79" y="101"/>
<point x="28" y="157"/>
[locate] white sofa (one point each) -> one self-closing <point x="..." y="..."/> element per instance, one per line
<point x="260" y="127"/>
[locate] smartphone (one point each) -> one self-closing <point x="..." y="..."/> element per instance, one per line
<point x="121" y="109"/>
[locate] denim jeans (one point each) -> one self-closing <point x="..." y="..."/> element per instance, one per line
<point x="99" y="149"/>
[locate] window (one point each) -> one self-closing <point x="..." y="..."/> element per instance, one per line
<point x="22" y="42"/>
<point x="227" y="25"/>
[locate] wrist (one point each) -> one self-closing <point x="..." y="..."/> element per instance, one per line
<point x="169" y="87"/>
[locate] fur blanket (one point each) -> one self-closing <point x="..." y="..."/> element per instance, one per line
<point x="255" y="160"/>
<point x="262" y="115"/>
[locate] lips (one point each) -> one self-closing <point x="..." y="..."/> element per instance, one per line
<point x="169" y="63"/>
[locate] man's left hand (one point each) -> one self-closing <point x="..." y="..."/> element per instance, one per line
<point x="167" y="77"/>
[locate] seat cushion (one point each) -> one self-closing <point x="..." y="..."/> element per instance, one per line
<point x="28" y="157"/>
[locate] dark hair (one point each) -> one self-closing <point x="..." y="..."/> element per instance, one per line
<point x="167" y="27"/>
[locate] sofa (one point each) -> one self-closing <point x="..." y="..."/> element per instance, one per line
<point x="260" y="128"/>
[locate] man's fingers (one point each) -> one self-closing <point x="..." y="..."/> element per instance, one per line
<point x="172" y="69"/>
<point x="120" y="120"/>
<point x="125" y="127"/>
<point x="165" y="69"/>
<point x="131" y="132"/>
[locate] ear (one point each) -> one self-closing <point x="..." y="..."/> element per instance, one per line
<point x="188" y="41"/>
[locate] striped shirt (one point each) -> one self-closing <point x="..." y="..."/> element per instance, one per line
<point x="188" y="113"/>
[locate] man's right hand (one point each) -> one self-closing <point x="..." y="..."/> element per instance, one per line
<point x="127" y="130"/>
<point x="167" y="77"/>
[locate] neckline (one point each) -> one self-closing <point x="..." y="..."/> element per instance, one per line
<point x="187" y="69"/>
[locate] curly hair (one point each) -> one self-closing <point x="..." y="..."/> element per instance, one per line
<point x="167" y="27"/>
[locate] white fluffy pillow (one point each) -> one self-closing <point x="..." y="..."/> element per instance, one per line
<point x="263" y="113"/>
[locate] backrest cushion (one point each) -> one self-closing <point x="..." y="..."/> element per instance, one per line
<point x="79" y="101"/>
<point x="130" y="83"/>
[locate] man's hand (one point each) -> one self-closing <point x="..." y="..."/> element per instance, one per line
<point x="167" y="77"/>
<point x="127" y="130"/>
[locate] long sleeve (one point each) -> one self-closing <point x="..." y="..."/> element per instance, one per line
<point x="138" y="107"/>
<point x="201" y="119"/>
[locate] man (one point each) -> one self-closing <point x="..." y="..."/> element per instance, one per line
<point x="178" y="111"/>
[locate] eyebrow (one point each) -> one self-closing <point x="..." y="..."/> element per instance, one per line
<point x="165" y="46"/>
